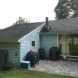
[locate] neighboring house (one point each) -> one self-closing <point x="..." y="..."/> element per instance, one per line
<point x="20" y="39"/>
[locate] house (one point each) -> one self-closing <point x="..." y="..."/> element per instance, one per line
<point x="61" y="33"/>
<point x="20" y="39"/>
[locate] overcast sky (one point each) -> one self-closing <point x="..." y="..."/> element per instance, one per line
<point x="35" y="10"/>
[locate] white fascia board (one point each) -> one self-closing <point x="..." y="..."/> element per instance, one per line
<point x="57" y="40"/>
<point x="30" y="33"/>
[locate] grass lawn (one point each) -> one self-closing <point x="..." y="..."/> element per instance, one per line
<point x="23" y="73"/>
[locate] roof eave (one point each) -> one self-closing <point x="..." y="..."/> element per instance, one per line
<point x="58" y="32"/>
<point x="8" y="40"/>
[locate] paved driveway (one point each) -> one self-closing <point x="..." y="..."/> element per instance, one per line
<point x="57" y="67"/>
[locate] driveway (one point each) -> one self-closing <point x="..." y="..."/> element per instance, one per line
<point x="57" y="67"/>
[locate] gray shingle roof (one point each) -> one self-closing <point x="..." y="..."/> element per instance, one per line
<point x="64" y="26"/>
<point x="16" y="32"/>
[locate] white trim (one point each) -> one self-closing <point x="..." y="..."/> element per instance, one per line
<point x="30" y="33"/>
<point x="20" y="52"/>
<point x="57" y="40"/>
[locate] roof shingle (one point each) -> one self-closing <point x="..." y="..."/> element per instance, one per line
<point x="64" y="26"/>
<point x="16" y="32"/>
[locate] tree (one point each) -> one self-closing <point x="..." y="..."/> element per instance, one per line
<point x="21" y="20"/>
<point x="66" y="9"/>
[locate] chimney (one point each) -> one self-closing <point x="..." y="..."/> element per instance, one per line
<point x="46" y="21"/>
<point x="46" y="26"/>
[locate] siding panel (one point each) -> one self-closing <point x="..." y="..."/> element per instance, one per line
<point x="47" y="41"/>
<point x="24" y="47"/>
<point x="12" y="49"/>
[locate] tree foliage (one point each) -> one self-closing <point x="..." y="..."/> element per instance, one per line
<point x="66" y="9"/>
<point x="21" y="20"/>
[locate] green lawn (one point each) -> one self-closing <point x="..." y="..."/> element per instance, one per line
<point x="23" y="73"/>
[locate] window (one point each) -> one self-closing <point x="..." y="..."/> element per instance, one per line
<point x="33" y="43"/>
<point x="68" y="44"/>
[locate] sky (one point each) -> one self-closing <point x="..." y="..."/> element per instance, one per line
<point x="35" y="10"/>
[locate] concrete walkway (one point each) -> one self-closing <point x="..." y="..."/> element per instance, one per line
<point x="57" y="67"/>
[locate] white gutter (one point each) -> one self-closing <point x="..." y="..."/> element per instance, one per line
<point x="30" y="33"/>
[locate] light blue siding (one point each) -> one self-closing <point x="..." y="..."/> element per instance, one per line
<point x="12" y="48"/>
<point x="26" y="42"/>
<point x="48" y="41"/>
<point x="24" y="47"/>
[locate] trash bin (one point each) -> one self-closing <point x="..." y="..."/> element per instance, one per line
<point x="41" y="53"/>
<point x="33" y="57"/>
<point x="54" y="53"/>
<point x="3" y="57"/>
